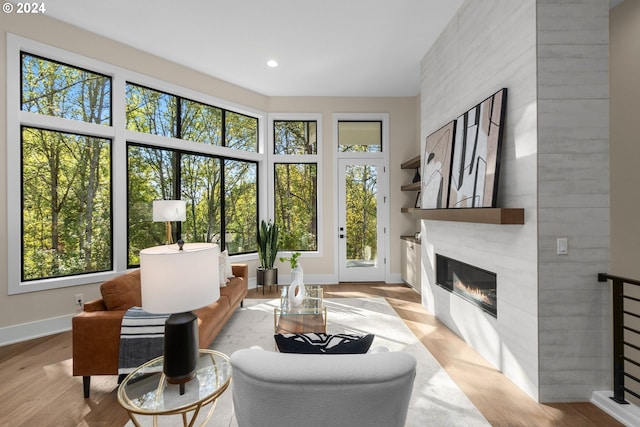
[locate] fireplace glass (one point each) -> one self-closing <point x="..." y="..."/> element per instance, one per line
<point x="474" y="284"/>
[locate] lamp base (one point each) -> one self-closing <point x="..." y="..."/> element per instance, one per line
<point x="181" y="348"/>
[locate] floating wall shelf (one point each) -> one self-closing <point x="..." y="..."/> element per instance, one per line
<point x="411" y="163"/>
<point x="411" y="187"/>
<point x="477" y="215"/>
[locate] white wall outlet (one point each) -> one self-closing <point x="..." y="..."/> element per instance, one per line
<point x="562" y="246"/>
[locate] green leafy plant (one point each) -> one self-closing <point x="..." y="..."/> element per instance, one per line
<point x="293" y="260"/>
<point x="267" y="244"/>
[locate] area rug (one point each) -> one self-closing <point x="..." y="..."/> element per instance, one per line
<point x="435" y="401"/>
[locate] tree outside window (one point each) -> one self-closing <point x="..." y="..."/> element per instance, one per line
<point x="65" y="177"/>
<point x="296" y="185"/>
<point x="66" y="164"/>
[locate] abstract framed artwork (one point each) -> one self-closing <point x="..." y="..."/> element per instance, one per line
<point x="475" y="159"/>
<point x="436" y="167"/>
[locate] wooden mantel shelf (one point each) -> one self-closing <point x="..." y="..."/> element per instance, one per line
<point x="477" y="215"/>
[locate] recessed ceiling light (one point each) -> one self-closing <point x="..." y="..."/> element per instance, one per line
<point x="272" y="63"/>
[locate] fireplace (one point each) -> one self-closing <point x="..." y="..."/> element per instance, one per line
<point x="474" y="284"/>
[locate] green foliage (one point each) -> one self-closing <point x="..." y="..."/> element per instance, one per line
<point x="201" y="122"/>
<point x="267" y="244"/>
<point x="296" y="186"/>
<point x="296" y="205"/>
<point x="293" y="261"/>
<point x="150" y="111"/>
<point x="151" y="172"/>
<point x="241" y="132"/>
<point x="154" y="173"/>
<point x="54" y="89"/>
<point x="66" y="178"/>
<point x="295" y="137"/>
<point x="241" y="205"/>
<point x="361" y="200"/>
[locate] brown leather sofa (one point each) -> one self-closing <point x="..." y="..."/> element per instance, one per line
<point x="96" y="330"/>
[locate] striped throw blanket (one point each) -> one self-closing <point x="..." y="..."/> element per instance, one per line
<point x="141" y="338"/>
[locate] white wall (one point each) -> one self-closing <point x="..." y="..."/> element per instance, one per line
<point x="550" y="336"/>
<point x="573" y="198"/>
<point x="490" y="45"/>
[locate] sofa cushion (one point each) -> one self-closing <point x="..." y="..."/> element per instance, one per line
<point x="226" y="261"/>
<point x="122" y="292"/>
<point x="317" y="343"/>
<point x="235" y="290"/>
<point x="222" y="274"/>
<point x="210" y="318"/>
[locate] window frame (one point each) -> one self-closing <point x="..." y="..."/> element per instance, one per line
<point x="119" y="135"/>
<point x="316" y="159"/>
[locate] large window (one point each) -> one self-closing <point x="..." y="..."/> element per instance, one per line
<point x="161" y="174"/>
<point x="65" y="177"/>
<point x="158" y="113"/>
<point x="295" y="171"/>
<point x="54" y="89"/>
<point x="206" y="182"/>
<point x="296" y="205"/>
<point x="90" y="151"/>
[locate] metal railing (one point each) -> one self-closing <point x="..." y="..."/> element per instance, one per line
<point x="619" y="328"/>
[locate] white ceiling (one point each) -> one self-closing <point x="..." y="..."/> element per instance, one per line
<point x="324" y="47"/>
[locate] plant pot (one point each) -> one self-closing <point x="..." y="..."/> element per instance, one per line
<point x="267" y="276"/>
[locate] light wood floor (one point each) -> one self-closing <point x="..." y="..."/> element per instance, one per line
<point x="37" y="389"/>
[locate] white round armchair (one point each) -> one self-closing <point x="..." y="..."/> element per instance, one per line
<point x="273" y="389"/>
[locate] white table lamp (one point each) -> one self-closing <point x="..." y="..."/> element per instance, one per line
<point x="174" y="280"/>
<point x="168" y="211"/>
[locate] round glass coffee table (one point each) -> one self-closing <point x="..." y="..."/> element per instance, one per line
<point x="145" y="391"/>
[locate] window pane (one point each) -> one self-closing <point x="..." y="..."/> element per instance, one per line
<point x="151" y="174"/>
<point x="241" y="132"/>
<point x="241" y="206"/>
<point x="150" y="111"/>
<point x="296" y="206"/>
<point x="362" y="215"/>
<point x="200" y="122"/>
<point x="66" y="213"/>
<point x="59" y="90"/>
<point x="295" y="137"/>
<point x="360" y="137"/>
<point x="200" y="187"/>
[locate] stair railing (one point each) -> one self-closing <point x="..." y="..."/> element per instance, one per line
<point x="619" y="328"/>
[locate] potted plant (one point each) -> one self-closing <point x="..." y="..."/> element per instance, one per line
<point x="267" y="274"/>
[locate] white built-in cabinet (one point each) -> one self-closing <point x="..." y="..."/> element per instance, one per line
<point x="410" y="261"/>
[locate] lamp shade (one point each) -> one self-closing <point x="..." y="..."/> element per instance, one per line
<point x="169" y="210"/>
<point x="176" y="281"/>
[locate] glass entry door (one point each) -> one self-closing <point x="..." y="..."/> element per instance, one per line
<point x="361" y="230"/>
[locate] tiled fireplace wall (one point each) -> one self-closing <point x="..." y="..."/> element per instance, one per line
<point x="550" y="335"/>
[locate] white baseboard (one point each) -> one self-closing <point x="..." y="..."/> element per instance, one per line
<point x="628" y="415"/>
<point x="320" y="279"/>
<point x="312" y="279"/>
<point x="28" y="331"/>
<point x="395" y="278"/>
